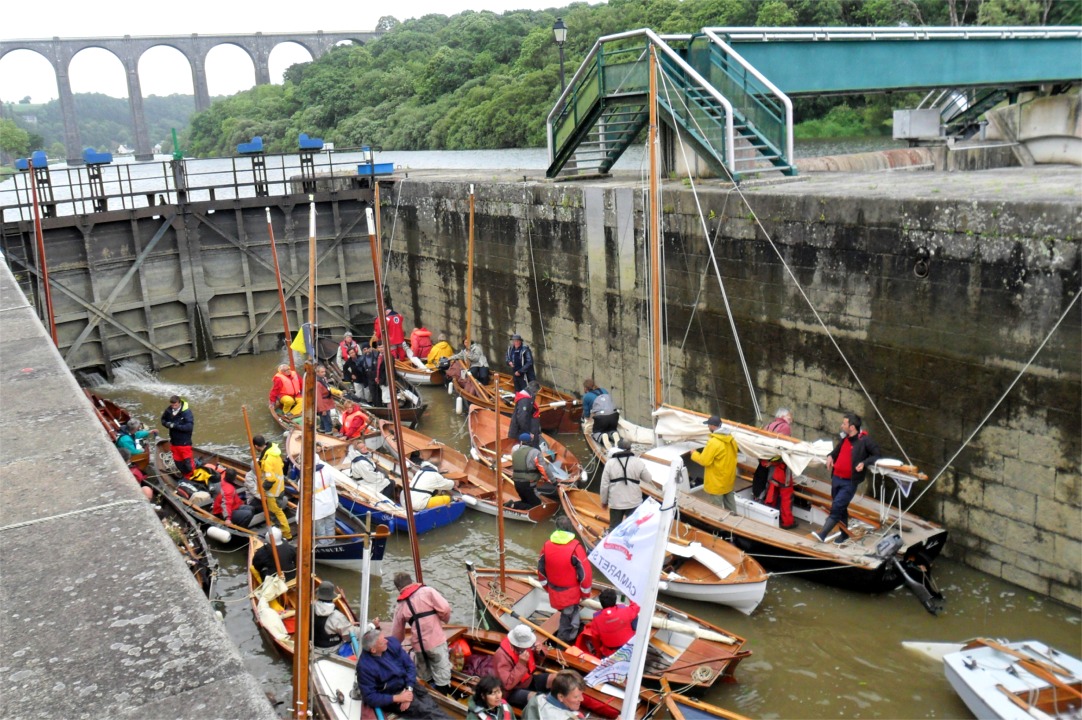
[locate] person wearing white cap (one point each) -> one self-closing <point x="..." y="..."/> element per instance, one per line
<point x="718" y="459"/>
<point x="515" y="664"/>
<point x="263" y="560"/>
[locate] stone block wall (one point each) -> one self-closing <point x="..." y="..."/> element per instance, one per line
<point x="918" y="313"/>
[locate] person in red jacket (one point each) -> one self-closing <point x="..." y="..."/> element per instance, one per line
<point x="565" y="572"/>
<point x="614" y="625"/>
<point x="354" y="421"/>
<point x="228" y="504"/>
<point x="396" y="333"/>
<point x="515" y="664"/>
<point x="286" y="388"/>
<point x="421" y="342"/>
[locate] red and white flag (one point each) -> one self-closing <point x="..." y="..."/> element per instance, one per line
<point x="624" y="554"/>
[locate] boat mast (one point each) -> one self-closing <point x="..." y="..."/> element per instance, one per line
<point x="262" y="493"/>
<point x="469" y="275"/>
<point x="497" y="477"/>
<point x="302" y="638"/>
<point x="655" y="235"/>
<point x="281" y="293"/>
<point x="388" y="364"/>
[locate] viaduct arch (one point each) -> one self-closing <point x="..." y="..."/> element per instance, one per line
<point x="128" y="49"/>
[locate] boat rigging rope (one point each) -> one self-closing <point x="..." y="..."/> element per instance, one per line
<point x="807" y="300"/>
<point x="666" y="84"/>
<point x="394" y="225"/>
<point x="536" y="288"/>
<point x="998" y="402"/>
<point x="118" y="503"/>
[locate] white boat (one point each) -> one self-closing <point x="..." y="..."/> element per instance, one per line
<point x="1015" y="680"/>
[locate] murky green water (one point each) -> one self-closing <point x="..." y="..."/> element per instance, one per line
<point x="818" y="652"/>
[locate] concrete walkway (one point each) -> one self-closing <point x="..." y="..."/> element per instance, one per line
<point x="101" y="618"/>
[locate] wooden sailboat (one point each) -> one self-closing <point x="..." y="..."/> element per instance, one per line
<point x="560" y="411"/>
<point x="687" y="650"/>
<point x="488" y="440"/>
<point x="186" y="535"/>
<point x="112" y="417"/>
<point x="698" y="566"/>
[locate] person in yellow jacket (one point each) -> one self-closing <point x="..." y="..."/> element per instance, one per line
<point x="272" y="469"/>
<point x="719" y="460"/>
<point x="439" y="351"/>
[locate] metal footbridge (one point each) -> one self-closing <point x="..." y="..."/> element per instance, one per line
<point x="732" y="108"/>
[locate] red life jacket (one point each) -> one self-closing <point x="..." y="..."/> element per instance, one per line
<point x="291" y="385"/>
<point x="514" y="652"/>
<point x="613" y="626"/>
<point x="421" y="342"/>
<point x="563" y="582"/>
<point x="354" y="423"/>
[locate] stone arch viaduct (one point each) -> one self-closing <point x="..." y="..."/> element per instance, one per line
<point x="60" y="52"/>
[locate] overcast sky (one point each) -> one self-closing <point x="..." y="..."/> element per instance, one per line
<point x="164" y="71"/>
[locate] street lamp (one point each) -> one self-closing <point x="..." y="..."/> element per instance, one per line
<point x="560" y="31"/>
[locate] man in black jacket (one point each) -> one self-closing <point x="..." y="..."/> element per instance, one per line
<point x="847" y="464"/>
<point x="180" y="422"/>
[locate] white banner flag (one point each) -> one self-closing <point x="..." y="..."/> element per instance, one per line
<point x="612" y="669"/>
<point x="624" y="554"/>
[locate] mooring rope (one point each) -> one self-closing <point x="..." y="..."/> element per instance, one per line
<point x="998" y="402"/>
<point x="118" y="503"/>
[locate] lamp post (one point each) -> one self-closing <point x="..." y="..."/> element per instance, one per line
<point x="560" y="31"/>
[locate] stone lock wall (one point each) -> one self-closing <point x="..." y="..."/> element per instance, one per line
<point x="931" y="299"/>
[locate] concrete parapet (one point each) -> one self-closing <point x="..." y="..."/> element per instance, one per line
<point x="102" y="618"/>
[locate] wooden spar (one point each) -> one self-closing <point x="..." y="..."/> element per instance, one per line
<point x="388" y="364"/>
<point x="281" y="293"/>
<point x="42" y="265"/>
<point x="655" y="237"/>
<point x="469" y="276"/>
<point x="262" y="493"/>
<point x="496" y="478"/>
<point x="302" y="636"/>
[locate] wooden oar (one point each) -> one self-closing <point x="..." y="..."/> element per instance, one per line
<point x="1027" y="659"/>
<point x="1025" y="706"/>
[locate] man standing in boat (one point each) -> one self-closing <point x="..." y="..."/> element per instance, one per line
<point x="396" y="333"/>
<point x="621" y="491"/>
<point x="565" y="572"/>
<point x="180" y="422"/>
<point x="847" y="463"/>
<point x="520" y="359"/>
<point x="526" y="417"/>
<point x="527" y="471"/>
<point x="272" y="470"/>
<point x="424" y="610"/>
<point x="719" y="460"/>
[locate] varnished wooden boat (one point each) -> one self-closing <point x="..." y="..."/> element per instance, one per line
<point x="359" y="500"/>
<point x="685" y="649"/>
<point x="698" y="565"/>
<point x="887" y="547"/>
<point x="112" y="417"/>
<point x="423" y="375"/>
<point x="473" y="481"/>
<point x="345" y="552"/>
<point x="274" y="617"/>
<point x="186" y="535"/>
<point x="410" y="411"/>
<point x="560" y="412"/>
<point x="484" y="436"/>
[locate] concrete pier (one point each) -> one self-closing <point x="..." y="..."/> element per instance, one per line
<point x="101" y="617"/>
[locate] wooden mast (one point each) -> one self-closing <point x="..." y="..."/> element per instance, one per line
<point x="302" y="637"/>
<point x="281" y="293"/>
<point x="469" y="276"/>
<point x="655" y="237"/>
<point x="262" y="493"/>
<point x="497" y="477"/>
<point x="43" y="266"/>
<point x="388" y="364"/>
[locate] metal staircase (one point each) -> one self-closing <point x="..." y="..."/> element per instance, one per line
<point x="606" y="106"/>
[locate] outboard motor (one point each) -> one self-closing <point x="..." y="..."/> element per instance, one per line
<point x="915" y="571"/>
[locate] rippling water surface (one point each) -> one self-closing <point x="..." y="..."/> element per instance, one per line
<point x="817" y="652"/>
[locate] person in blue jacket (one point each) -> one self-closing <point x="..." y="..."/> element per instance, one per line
<point x="520" y="360"/>
<point x="387" y="678"/>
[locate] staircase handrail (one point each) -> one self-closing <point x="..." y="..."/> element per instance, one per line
<point x="774" y="90"/>
<point x="1005" y="32"/>
<point x="659" y="42"/>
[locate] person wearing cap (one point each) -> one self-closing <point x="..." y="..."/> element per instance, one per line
<point x="330" y="626"/>
<point x="442" y="349"/>
<point x="563" y="700"/>
<point x="347" y="344"/>
<point x="396" y="333"/>
<point x="621" y="490"/>
<point x="131" y="437"/>
<point x="527" y="471"/>
<point x="515" y="663"/>
<point x="474" y="357"/>
<point x="387" y="678"/>
<point x="263" y="559"/>
<point x="718" y="459"/>
<point x="363" y="470"/>
<point x="178" y="419"/>
<point x="287" y="390"/>
<point x="565" y="573"/>
<point x="272" y="470"/>
<point x="426" y="482"/>
<point x="526" y="417"/>
<point x="519" y="358"/>
<point x="424" y="610"/>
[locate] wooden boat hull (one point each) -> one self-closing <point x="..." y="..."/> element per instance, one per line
<point x="1016" y="680"/>
<point x="346" y="553"/>
<point x="560" y="412"/>
<point x="713" y="570"/>
<point x="698" y="661"/>
<point x="419" y="376"/>
<point x="484" y="436"/>
<point x="112" y="417"/>
<point x="186" y="535"/>
<point x="473" y="481"/>
<point x="333" y="451"/>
